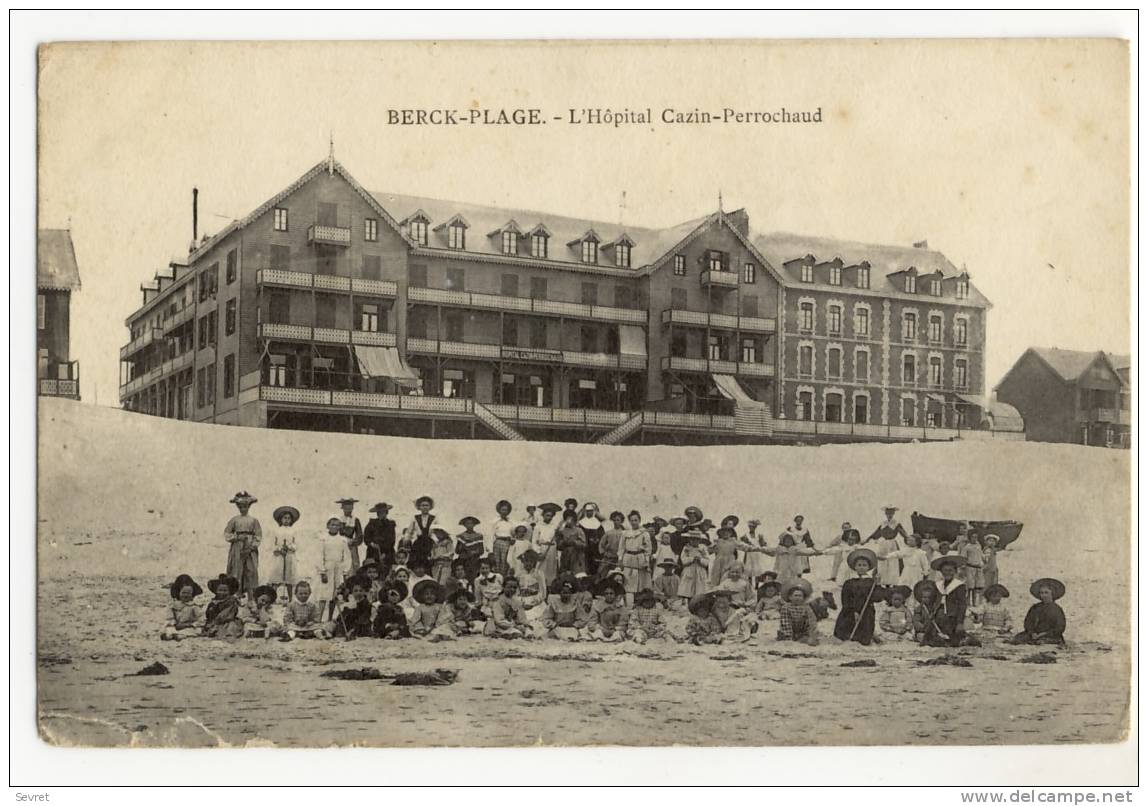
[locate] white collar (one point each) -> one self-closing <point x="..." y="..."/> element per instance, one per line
<point x="949" y="587"/>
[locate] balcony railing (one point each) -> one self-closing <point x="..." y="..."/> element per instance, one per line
<point x="61" y="380"/>
<point x="185" y="314"/>
<point x="147" y="337"/>
<point x="325" y="335"/>
<point x="502" y="302"/>
<point x="747" y="369"/>
<point x="326" y="282"/>
<point x="325" y="234"/>
<point x="719" y="279"/>
<point x="751" y="324"/>
<point x="530" y="355"/>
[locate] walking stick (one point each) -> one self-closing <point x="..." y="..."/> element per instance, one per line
<point x="857" y="623"/>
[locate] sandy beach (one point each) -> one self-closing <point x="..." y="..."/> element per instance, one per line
<point x="128" y="501"/>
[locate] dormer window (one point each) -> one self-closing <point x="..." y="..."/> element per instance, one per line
<point x="417" y="229"/>
<point x="589" y="251"/>
<point x="538" y="245"/>
<point x="962" y="288"/>
<point x="834" y="275"/>
<point x="456" y="236"/>
<point x="807" y="272"/>
<point x="863" y="276"/>
<point x="910" y="284"/>
<point x="935" y="288"/>
<point x="622" y="256"/>
<point x="509" y="242"/>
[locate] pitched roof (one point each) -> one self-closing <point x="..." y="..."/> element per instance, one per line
<point x="780" y="248"/>
<point x="56" y="268"/>
<point x="1120" y="361"/>
<point x="1068" y="364"/>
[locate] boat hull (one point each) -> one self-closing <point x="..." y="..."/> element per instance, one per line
<point x="947" y="529"/>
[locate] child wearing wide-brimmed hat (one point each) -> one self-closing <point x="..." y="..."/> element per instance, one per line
<point x="278" y="566"/>
<point x="796" y="620"/>
<point x="952" y="606"/>
<point x="1045" y="621"/>
<point x="470" y="545"/>
<point x="185" y="617"/>
<point x="857" y="619"/>
<point x="695" y="565"/>
<point x="565" y="615"/>
<point x="431" y="612"/>
<point x="463" y="617"/>
<point x="896" y="620"/>
<point x="243" y="534"/>
<point x="222" y="619"/>
<point x="608" y="615"/>
<point x="418" y="537"/>
<point x="768" y="601"/>
<point x="992" y="617"/>
<point x="379" y="536"/>
<point x="352" y="529"/>
<point x="646" y="622"/>
<point x="502" y="533"/>
<point x="303" y="617"/>
<point x="666" y="583"/>
<point x="390" y="617"/>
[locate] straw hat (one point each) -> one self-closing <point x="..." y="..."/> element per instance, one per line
<point x="1055" y="584"/>
<point x="231" y="582"/>
<point x="425" y="498"/>
<point x="788" y="587"/>
<point x="425" y="585"/>
<point x="904" y="590"/>
<point x="279" y="512"/>
<point x="184" y="581"/>
<point x="1001" y="589"/>
<point x="393" y="585"/>
<point x="342" y="501"/>
<point x="469" y="521"/>
<point x="703" y="603"/>
<point x="945" y="559"/>
<point x="862" y="554"/>
<point x="243" y="497"/>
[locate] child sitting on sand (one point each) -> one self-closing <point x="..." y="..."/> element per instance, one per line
<point x="369" y="570"/>
<point x="353" y="617"/>
<point x="769" y="601"/>
<point x="463" y="617"/>
<point x="260" y="620"/>
<point x="507" y="615"/>
<point x="457" y="580"/>
<point x="716" y="621"/>
<point x="390" y="618"/>
<point x="487" y="585"/>
<point x="666" y="585"/>
<point x="738" y="583"/>
<point x="925" y="592"/>
<point x="646" y="621"/>
<point x="565" y="614"/>
<point x="303" y="617"/>
<point x="222" y="617"/>
<point x="185" y="617"/>
<point x="796" y="619"/>
<point x="430" y="611"/>
<point x="1045" y="621"/>
<point x="608" y="615"/>
<point x="993" y="618"/>
<point x="896" y="619"/>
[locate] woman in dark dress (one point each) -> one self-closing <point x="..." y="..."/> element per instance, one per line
<point x="1045" y="620"/>
<point x="858" y="619"/>
<point x="379" y="537"/>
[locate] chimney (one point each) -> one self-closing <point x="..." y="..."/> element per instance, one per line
<point x="194" y="214"/>
<point x="920" y="244"/>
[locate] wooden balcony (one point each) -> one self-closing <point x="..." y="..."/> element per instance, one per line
<point x="148" y="337"/>
<point x="182" y="316"/>
<point x="325" y="335"/>
<point x="746" y="324"/>
<point x="544" y="307"/>
<point x="332" y="236"/>
<point x="326" y="282"/>
<point x="719" y="279"/>
<point x="705" y="365"/>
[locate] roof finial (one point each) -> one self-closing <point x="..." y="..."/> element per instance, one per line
<point x="331" y="155"/>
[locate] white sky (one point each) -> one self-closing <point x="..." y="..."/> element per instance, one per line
<point x="1007" y="156"/>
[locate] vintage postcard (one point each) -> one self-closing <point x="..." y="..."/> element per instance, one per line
<point x="485" y="394"/>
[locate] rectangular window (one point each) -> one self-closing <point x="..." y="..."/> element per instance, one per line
<point x="201" y="388"/>
<point x="416" y="326"/>
<point x="279" y="307"/>
<point x="457" y="383"/>
<point x="805" y="361"/>
<point x="622" y="255"/>
<point x="280" y="256"/>
<point x="204" y="286"/>
<point x="623" y="296"/>
<point x="715" y="348"/>
<point x="232" y="266"/>
<point x="833" y="369"/>
<point x="209" y="393"/>
<point x="326" y="259"/>
<point x="372" y="267"/>
<point x="961" y="334"/>
<point x="229" y="377"/>
<point x="538" y="288"/>
<point x="280" y="219"/>
<point x="716" y="260"/>
<point x="749" y="305"/>
<point x="908" y="411"/>
<point x="909" y="369"/>
<point x="833" y="404"/>
<point x="835" y="275"/>
<point x="861" y="410"/>
<point x="678" y="344"/>
<point x="589" y="252"/>
<point x="324" y="310"/>
<point x="909" y="326"/>
<point x="509" y="242"/>
<point x="962" y="289"/>
<point x="748" y="351"/>
<point x="368" y="317"/>
<point x="510" y="285"/>
<point x="910" y="284"/>
<point x="936" y="326"/>
<point x="935" y="287"/>
<point x="229" y="322"/>
<point x="538" y="333"/>
<point x="863" y="277"/>
<point x="961" y="373"/>
<point x="212" y="327"/>
<point x="805" y="406"/>
<point x="417" y="275"/>
<point x="862" y="322"/>
<point x="538" y="245"/>
<point x="807" y="272"/>
<point x="370" y="229"/>
<point x="749" y="273"/>
<point x="455" y="280"/>
<point x="41" y="311"/>
<point x="806" y="320"/>
<point x="589" y="335"/>
<point x="834" y="320"/>
<point x="677" y="299"/>
<point x="935" y="365"/>
<point x="277" y="370"/>
<point x="453" y="324"/>
<point x="680" y="265"/>
<point x="456" y="236"/>
<point x="417" y="230"/>
<point x="589" y="293"/>
<point x="861" y="366"/>
<point x="510" y="332"/>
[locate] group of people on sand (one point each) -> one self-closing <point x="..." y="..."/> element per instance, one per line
<point x="565" y="572"/>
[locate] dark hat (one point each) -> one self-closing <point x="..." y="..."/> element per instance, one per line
<point x="668" y="563"/>
<point x="469" y="521"/>
<point x="503" y="503"/>
<point x="370" y="562"/>
<point x="1055" y="584"/>
<point x="773" y="583"/>
<point x="530" y="553"/>
<point x="701" y="604"/>
<point x="440" y="534"/>
<point x="428" y="584"/>
<point x="357" y="579"/>
<point x="243" y="497"/>
<point x="279" y="512"/>
<point x="678" y="519"/>
<point x="563" y="580"/>
<point x="338" y="522"/>
<point x="693" y="511"/>
<point x="393" y="585"/>
<point x="788" y="587"/>
<point x="425" y="498"/>
<point x="736" y="520"/>
<point x="571" y="502"/>
<point x="609" y="584"/>
<point x="382" y="506"/>
<point x="923" y="585"/>
<point x="342" y="501"/>
<point x="1001" y="589"/>
<point x="904" y="590"/>
<point x="946" y="559"/>
<point x="705" y="525"/>
<point x="231" y="582"/>
<point x="726" y="531"/>
<point x="549" y="506"/>
<point x="697" y="534"/>
<point x="266" y="590"/>
<point x="769" y="576"/>
<point x="461" y="593"/>
<point x="645" y="595"/>
<point x="862" y="554"/>
<point x="182" y="581"/>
